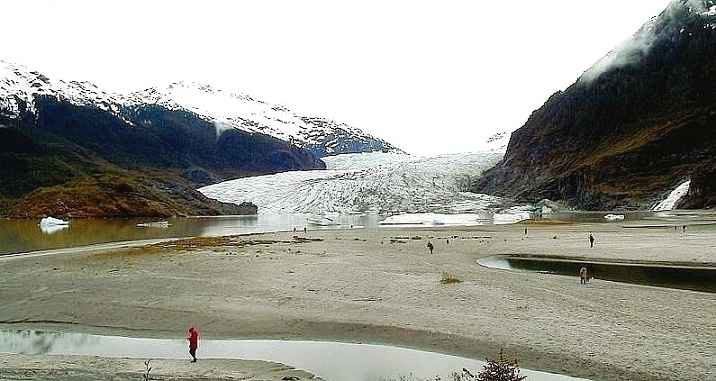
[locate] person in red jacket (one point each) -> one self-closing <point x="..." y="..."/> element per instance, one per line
<point x="193" y="342"/>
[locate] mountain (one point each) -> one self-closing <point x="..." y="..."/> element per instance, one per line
<point x="71" y="149"/>
<point x="234" y="110"/>
<point x="632" y="128"/>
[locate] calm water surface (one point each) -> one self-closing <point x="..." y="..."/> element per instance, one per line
<point x="26" y="235"/>
<point x="332" y="361"/>
<point x="680" y="277"/>
<point x="19" y="236"/>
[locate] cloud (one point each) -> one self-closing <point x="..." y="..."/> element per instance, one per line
<point x="635" y="48"/>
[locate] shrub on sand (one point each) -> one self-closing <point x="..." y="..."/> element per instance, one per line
<point x="448" y="278"/>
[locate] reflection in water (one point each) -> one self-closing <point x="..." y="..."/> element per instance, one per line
<point x="25" y="235"/>
<point x="681" y="277"/>
<point x="329" y="360"/>
<point x="52" y="229"/>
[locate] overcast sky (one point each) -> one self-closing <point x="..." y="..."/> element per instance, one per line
<point x="431" y="77"/>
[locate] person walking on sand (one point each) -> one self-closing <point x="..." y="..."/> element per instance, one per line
<point x="583" y="276"/>
<point x="193" y="342"/>
<point x="430" y="246"/>
<point x="591" y="240"/>
<point x="525" y="232"/>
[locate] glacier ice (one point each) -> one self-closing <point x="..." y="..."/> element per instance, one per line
<point x="384" y="183"/>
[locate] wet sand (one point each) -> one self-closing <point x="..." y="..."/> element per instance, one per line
<point x="90" y="368"/>
<point x="381" y="286"/>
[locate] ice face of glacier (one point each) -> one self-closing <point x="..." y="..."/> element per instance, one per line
<point x="369" y="182"/>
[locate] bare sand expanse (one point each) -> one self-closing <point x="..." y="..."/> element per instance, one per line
<point x="89" y="368"/>
<point x="369" y="286"/>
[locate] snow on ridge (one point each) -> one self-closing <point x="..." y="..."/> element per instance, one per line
<point x="18" y="85"/>
<point x="673" y="198"/>
<point x="385" y="183"/>
<point x="229" y="109"/>
<point x="224" y="108"/>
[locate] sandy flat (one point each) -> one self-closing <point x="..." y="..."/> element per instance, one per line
<point x="382" y="286"/>
<point x="88" y="368"/>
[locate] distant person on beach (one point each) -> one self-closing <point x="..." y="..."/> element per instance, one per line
<point x="193" y="342"/>
<point x="591" y="240"/>
<point x="683" y="229"/>
<point x="583" y="276"/>
<point x="430" y="246"/>
<point x="305" y="230"/>
<point x="525" y="232"/>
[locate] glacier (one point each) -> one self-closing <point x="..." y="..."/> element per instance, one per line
<point x="377" y="182"/>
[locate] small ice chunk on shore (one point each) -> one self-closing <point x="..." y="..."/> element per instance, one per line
<point x="614" y="217"/>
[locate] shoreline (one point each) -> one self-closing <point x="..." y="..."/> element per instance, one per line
<point x="86" y="368"/>
<point x="347" y="286"/>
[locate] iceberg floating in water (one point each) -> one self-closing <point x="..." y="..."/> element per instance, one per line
<point x="51" y="225"/>
<point x="673" y="198"/>
<point x="433" y="219"/>
<point x="463" y="219"/>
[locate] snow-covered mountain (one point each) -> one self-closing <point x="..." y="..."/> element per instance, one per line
<point x="369" y="182"/>
<point x="225" y="109"/>
<point x="19" y="86"/>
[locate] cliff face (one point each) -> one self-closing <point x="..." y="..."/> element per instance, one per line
<point x="64" y="159"/>
<point x="633" y="127"/>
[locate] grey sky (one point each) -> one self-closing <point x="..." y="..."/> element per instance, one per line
<point x="431" y="77"/>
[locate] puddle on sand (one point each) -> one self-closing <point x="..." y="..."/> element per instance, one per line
<point x="331" y="361"/>
<point x="680" y="277"/>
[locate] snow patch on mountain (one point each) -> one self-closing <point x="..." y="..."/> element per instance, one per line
<point x="385" y="183"/>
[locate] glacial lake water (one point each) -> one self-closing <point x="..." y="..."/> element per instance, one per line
<point x="20" y="236"/>
<point x="331" y="361"/>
